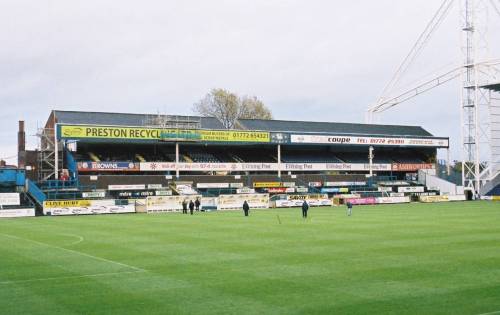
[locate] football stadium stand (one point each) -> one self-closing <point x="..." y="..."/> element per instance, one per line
<point x="92" y="162"/>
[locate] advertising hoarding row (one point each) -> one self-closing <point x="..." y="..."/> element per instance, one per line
<point x="89" y="166"/>
<point x="175" y="134"/>
<point x="223" y="202"/>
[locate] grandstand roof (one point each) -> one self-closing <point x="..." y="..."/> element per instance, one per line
<point x="493" y="86"/>
<point x="332" y="127"/>
<point x="124" y="119"/>
<point x="127" y="119"/>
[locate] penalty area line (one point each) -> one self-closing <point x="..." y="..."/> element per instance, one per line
<point x="73" y="252"/>
<point x="80" y="238"/>
<point x="71" y="277"/>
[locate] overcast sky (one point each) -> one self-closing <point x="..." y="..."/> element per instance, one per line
<point x="307" y="60"/>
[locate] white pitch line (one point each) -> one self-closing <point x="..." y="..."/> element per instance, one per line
<point x="70" y="277"/>
<point x="492" y="313"/>
<point x="74" y="252"/>
<point x="80" y="238"/>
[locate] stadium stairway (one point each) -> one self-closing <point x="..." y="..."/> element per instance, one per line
<point x="492" y="188"/>
<point x="433" y="182"/>
<point x="140" y="158"/>
<point x="94" y="157"/>
<point x="35" y="194"/>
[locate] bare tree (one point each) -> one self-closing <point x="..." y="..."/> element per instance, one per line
<point x="229" y="107"/>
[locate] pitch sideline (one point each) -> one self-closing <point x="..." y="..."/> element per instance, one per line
<point x="74" y="252"/>
<point x="71" y="277"/>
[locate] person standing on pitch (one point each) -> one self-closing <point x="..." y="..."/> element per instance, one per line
<point x="305" y="208"/>
<point x="349" y="208"/>
<point x="191" y="206"/>
<point x="197" y="204"/>
<point x="184" y="206"/>
<point x="246" y="208"/>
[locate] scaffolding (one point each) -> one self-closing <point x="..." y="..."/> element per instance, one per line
<point x="47" y="155"/>
<point x="172" y="122"/>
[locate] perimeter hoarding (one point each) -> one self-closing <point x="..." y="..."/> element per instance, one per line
<point x="373" y="141"/>
<point x="10" y="199"/>
<point x="78" y="207"/>
<point x="160" y="134"/>
<point x="242" y="167"/>
<point x="103" y="132"/>
<point x="17" y="213"/>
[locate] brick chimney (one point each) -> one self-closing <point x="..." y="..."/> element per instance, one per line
<point x="21" y="145"/>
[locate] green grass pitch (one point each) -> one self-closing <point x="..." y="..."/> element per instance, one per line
<point x="394" y="259"/>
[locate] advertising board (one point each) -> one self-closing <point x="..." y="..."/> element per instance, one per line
<point x="330" y="190"/>
<point x="163" y="134"/>
<point x="226" y="202"/>
<point x="9" y="199"/>
<point x="304" y="167"/>
<point x="388" y="200"/>
<point x="373" y="141"/>
<point x="80" y="207"/>
<point x="163" y="192"/>
<point x="266" y="184"/>
<point x="280" y="190"/>
<point x="17" y="213"/>
<point x="362" y="201"/>
<point x="314" y="200"/>
<point x="411" y="189"/>
<point x="433" y="198"/>
<point x="456" y="197"/>
<point x="411" y="167"/>
<point x="66" y="203"/>
<point x="167" y="203"/>
<point x="212" y="185"/>
<point x="336" y="184"/>
<point x="155" y="186"/>
<point x="127" y="187"/>
<point x="245" y="190"/>
<point x="93" y="194"/>
<point x="107" y="166"/>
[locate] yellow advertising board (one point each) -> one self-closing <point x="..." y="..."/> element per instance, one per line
<point x="266" y="184"/>
<point x="140" y="133"/>
<point x="308" y="197"/>
<point x="66" y="203"/>
<point x="434" y="198"/>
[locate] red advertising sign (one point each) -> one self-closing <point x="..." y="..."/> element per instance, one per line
<point x="411" y="167"/>
<point x="277" y="190"/>
<point x="362" y="201"/>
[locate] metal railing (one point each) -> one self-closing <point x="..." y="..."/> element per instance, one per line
<point x="36" y="192"/>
